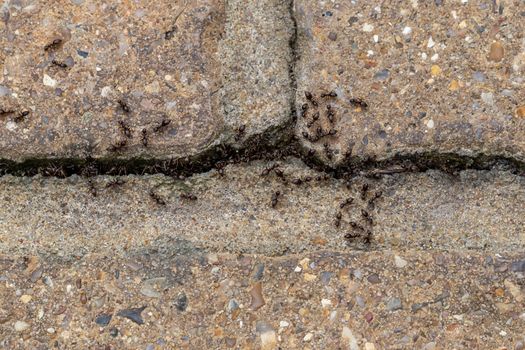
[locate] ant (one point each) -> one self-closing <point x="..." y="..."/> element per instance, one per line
<point x="311" y="152"/>
<point x="220" y="168"/>
<point x="315" y="117"/>
<point x="346" y="202"/>
<point x="330" y="114"/>
<point x="188" y="196"/>
<point x="328" y="151"/>
<point x="115" y="183"/>
<point x="350" y="236"/>
<point x="275" y="198"/>
<point x="53" y="45"/>
<point x="310" y="98"/>
<point x="368" y="237"/>
<point x="163" y="124"/>
<point x="338" y="217"/>
<point x="21" y="117"/>
<point x="364" y="190"/>
<point x="304" y="109"/>
<point x="240" y="132"/>
<point x="145" y="137"/>
<point x="125" y="128"/>
<point x="156" y="197"/>
<point x="124" y="106"/>
<point x="59" y="64"/>
<point x="359" y="102"/>
<point x="356" y="226"/>
<point x="279" y="173"/>
<point x="120" y="145"/>
<point x="376" y="196"/>
<point x="329" y="94"/>
<point x="267" y="170"/>
<point x="92" y="188"/>
<point x="297" y="182"/>
<point x="367" y="216"/>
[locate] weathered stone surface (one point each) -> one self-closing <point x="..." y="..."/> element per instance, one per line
<point x="459" y="300"/>
<point x="234" y="213"/>
<point x="194" y="64"/>
<point x="434" y="76"/>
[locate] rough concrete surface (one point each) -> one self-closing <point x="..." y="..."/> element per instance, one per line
<point x="374" y="300"/>
<point x="411" y="77"/>
<point x="148" y="78"/>
<point x="294" y="174"/>
<point x="234" y="212"/>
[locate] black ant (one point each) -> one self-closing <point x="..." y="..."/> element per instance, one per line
<point x="330" y="114"/>
<point x="304" y="109"/>
<point x="338" y="217"/>
<point x="220" y="168"/>
<point x="145" y="137"/>
<point x="368" y="237"/>
<point x="59" y="64"/>
<point x="350" y="236"/>
<point x="163" y="124"/>
<point x="328" y="151"/>
<point x="21" y="117"/>
<point x="376" y="196"/>
<point x="125" y="107"/>
<point x="156" y="197"/>
<point x="267" y="170"/>
<point x="120" y="145"/>
<point x="329" y="94"/>
<point x="358" y="102"/>
<point x="115" y="183"/>
<point x="240" y="132"/>
<point x="125" y="128"/>
<point x="356" y="226"/>
<point x="315" y="117"/>
<point x="310" y="98"/>
<point x="346" y="202"/>
<point x="188" y="196"/>
<point x="53" y="45"/>
<point x="367" y="216"/>
<point x="92" y="188"/>
<point x="311" y="152"/>
<point x="297" y="182"/>
<point x="364" y="190"/>
<point x="275" y="198"/>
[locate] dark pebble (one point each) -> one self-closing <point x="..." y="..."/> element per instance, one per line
<point x="83" y="54"/>
<point x="382" y="74"/>
<point x="113" y="332"/>
<point x="418" y="306"/>
<point x="518" y="266"/>
<point x="332" y="36"/>
<point x="259" y="271"/>
<point x="133" y="314"/>
<point x="182" y="302"/>
<point x="353" y="20"/>
<point x="373" y="278"/>
<point x="103" y="319"/>
<point x="325" y="277"/>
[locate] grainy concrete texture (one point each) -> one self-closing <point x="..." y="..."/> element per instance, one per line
<point x="300" y="204"/>
<point x="104" y="79"/>
<point x="234" y="212"/>
<point x="412" y="77"/>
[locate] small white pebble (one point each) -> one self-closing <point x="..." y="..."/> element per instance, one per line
<point x="50" y="330"/>
<point x="503" y="333"/>
<point x="430" y="43"/>
<point x="48" y="81"/>
<point x="376" y="38"/>
<point x="424" y="56"/>
<point x="377" y="9"/>
<point x="68" y="288"/>
<point x="468" y="39"/>
<point x="106" y="90"/>
<point x="464" y="1"/>
<point x="308" y="337"/>
<point x="21" y="326"/>
<point x="98" y="69"/>
<point x="11" y="126"/>
<point x="367" y="27"/>
<point x="370" y="53"/>
<point x="434" y="57"/>
<point x="400" y="262"/>
<point x="40" y="314"/>
<point x="454" y="14"/>
<point x="430" y="124"/>
<point x="407" y="31"/>
<point x="283" y="324"/>
<point x="168" y="77"/>
<point x="298" y="269"/>
<point x="215" y="270"/>
<point x="326" y="303"/>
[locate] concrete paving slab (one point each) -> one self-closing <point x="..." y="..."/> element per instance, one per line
<point x="327" y="300"/>
<point x="140" y="79"/>
<point x="410" y="77"/>
<point x="263" y="208"/>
